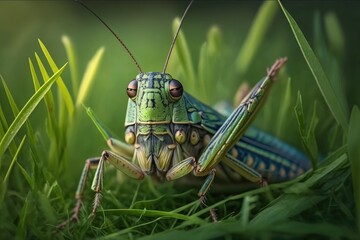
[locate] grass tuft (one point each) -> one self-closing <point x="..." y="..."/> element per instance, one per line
<point x="324" y="84"/>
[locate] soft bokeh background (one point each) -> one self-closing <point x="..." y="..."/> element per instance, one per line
<point x="145" y="26"/>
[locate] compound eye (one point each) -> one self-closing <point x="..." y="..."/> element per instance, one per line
<point x="176" y="89"/>
<point x="132" y="89"/>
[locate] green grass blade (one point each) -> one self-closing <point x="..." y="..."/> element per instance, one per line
<point x="214" y="40"/>
<point x="97" y="123"/>
<point x="311" y="138"/>
<point x="52" y="127"/>
<point x="13" y="160"/>
<point x="248" y="204"/>
<point x="284" y="109"/>
<point x="4" y="182"/>
<point x="35" y="78"/>
<point x="89" y="76"/>
<point x="232" y="230"/>
<point x="307" y="133"/>
<point x="322" y="81"/>
<point x="70" y="53"/>
<point x="154" y="213"/>
<point x="203" y="72"/>
<point x="47" y="209"/>
<point x="354" y="157"/>
<point x="52" y="124"/>
<point x="2" y="126"/>
<point x="4" y="122"/>
<point x="30" y="180"/>
<point x="298" y="197"/>
<point x="335" y="34"/>
<point x="26" y="111"/>
<point x="184" y="55"/>
<point x="10" y="98"/>
<point x="15" y="111"/>
<point x="334" y="161"/>
<point x="57" y="129"/>
<point x="257" y="33"/>
<point x="49" y="98"/>
<point x="329" y="58"/>
<point x="209" y="67"/>
<point x="63" y="89"/>
<point x="173" y="66"/>
<point x="23" y="217"/>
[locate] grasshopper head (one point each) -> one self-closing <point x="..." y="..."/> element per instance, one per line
<point x="150" y="115"/>
<point x="153" y="93"/>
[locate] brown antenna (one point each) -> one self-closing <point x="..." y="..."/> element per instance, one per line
<point x="117" y="37"/>
<point x="175" y="37"/>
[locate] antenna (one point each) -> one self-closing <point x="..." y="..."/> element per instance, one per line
<point x="175" y="37"/>
<point x="117" y="37"/>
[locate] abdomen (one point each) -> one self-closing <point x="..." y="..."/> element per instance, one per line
<point x="274" y="159"/>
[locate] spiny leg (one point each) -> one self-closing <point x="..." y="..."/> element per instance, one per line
<point x="97" y="183"/>
<point x="181" y="169"/>
<point x="204" y="190"/>
<point x="121" y="147"/>
<point x="230" y="133"/>
<point x="244" y="170"/>
<point x="92" y="162"/>
<point x="186" y="166"/>
<point x="236" y="124"/>
<point x="119" y="162"/>
<point x="213" y="215"/>
<point x="206" y="186"/>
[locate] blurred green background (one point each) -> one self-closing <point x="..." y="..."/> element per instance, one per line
<point x="146" y="28"/>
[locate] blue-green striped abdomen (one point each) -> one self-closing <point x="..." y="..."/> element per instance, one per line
<point x="273" y="158"/>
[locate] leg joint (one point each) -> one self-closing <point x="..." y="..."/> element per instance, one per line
<point x="105" y="154"/>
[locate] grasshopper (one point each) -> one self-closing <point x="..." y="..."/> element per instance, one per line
<point x="169" y="134"/>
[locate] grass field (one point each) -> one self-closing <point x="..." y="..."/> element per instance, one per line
<point x="46" y="134"/>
